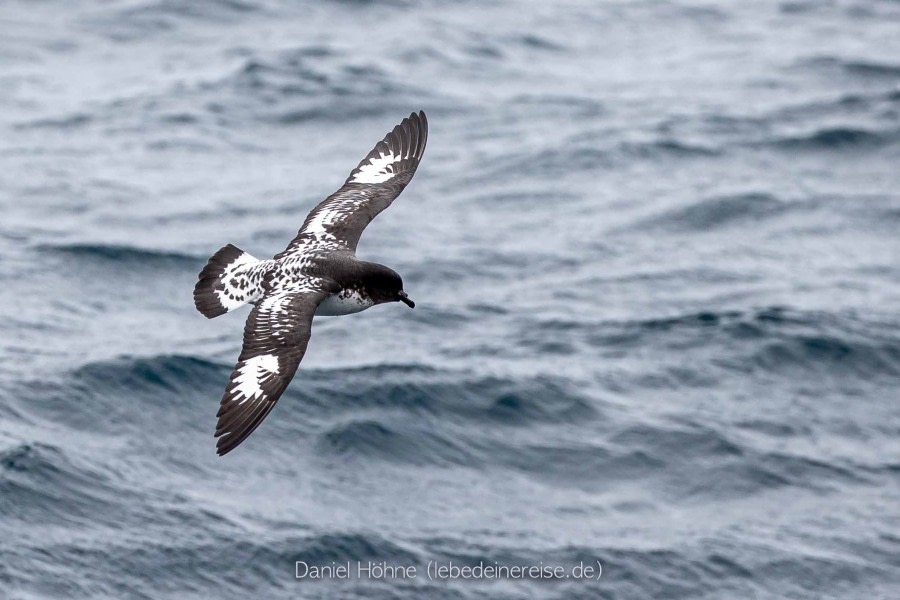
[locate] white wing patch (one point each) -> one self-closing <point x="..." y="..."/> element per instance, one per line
<point x="325" y="217"/>
<point x="251" y="375"/>
<point x="329" y="215"/>
<point x="378" y="169"/>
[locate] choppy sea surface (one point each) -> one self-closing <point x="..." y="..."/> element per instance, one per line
<point x="655" y="250"/>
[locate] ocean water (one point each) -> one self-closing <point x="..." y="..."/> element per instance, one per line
<point x="655" y="251"/>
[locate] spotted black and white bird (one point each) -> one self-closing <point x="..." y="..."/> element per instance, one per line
<point x="317" y="274"/>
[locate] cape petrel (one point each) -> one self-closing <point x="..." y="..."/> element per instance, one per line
<point x="317" y="274"/>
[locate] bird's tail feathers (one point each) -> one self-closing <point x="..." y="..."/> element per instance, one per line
<point x="227" y="282"/>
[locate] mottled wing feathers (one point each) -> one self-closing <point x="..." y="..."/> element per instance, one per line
<point x="339" y="220"/>
<point x="275" y="339"/>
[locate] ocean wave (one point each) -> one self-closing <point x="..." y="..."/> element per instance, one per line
<point x="142" y="374"/>
<point x="832" y="120"/>
<point x="151" y="17"/>
<point x="585" y="466"/>
<point x="115" y="397"/>
<point x="834" y="138"/>
<point x="569" y="156"/>
<point x="666" y="453"/>
<point x="371" y="439"/>
<point x="582" y="106"/>
<point x="666" y="147"/>
<point x="718" y="212"/>
<point x="311" y="84"/>
<point x="457" y="396"/>
<point x="776" y="340"/>
<point x="71" y="121"/>
<point x="854" y="67"/>
<point x="869" y="104"/>
<point x="830" y="354"/>
<point x="40" y="484"/>
<point x="748" y="470"/>
<point x="121" y="255"/>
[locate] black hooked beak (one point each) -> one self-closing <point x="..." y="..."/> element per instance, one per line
<point x="401" y="295"/>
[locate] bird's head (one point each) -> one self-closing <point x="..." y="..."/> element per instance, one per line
<point x="385" y="285"/>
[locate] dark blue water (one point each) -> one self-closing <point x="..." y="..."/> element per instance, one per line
<point x="655" y="250"/>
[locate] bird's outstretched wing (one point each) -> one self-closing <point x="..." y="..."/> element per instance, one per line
<point x="275" y="339"/>
<point x="339" y="220"/>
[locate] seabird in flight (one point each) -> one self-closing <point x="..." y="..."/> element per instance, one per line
<point x="317" y="274"/>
